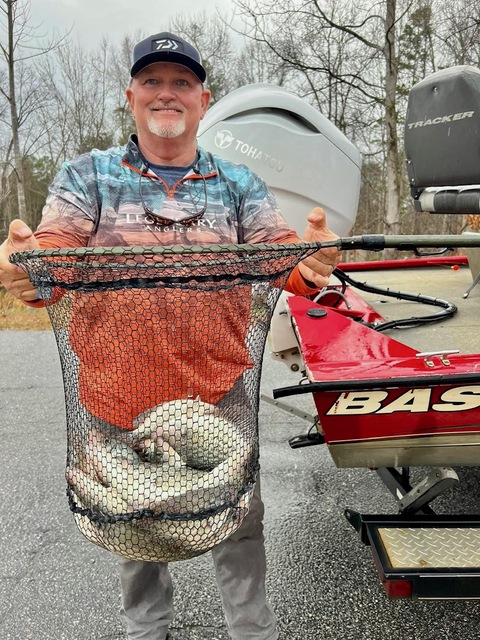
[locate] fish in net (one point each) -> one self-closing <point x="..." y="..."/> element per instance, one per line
<point x="161" y="351"/>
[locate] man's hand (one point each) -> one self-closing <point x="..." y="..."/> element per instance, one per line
<point x="13" y="278"/>
<point x="318" y="267"/>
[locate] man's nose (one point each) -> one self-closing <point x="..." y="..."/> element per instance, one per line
<point x="166" y="92"/>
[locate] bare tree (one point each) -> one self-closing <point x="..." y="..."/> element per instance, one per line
<point x="457" y="30"/>
<point x="20" y="47"/>
<point x="80" y="89"/>
<point x="119" y="65"/>
<point x="347" y="54"/>
<point x="394" y="169"/>
<point x="257" y="63"/>
<point x="211" y="36"/>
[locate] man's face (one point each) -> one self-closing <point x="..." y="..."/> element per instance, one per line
<point x="167" y="101"/>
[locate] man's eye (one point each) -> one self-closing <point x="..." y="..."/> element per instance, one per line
<point x="150" y="81"/>
<point x="182" y="83"/>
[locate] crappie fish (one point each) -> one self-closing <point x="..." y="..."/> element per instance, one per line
<point x="196" y="430"/>
<point x="162" y="540"/>
<point x="111" y="468"/>
<point x="95" y="495"/>
<point x="130" y="473"/>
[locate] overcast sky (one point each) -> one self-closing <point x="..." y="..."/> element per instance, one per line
<point x="92" y="19"/>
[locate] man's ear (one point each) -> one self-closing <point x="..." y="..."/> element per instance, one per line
<point x="130" y="96"/>
<point x="206" y="95"/>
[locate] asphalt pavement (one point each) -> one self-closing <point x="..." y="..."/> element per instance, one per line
<point x="55" y="585"/>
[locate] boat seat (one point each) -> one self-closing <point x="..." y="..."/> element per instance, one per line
<point x="442" y="146"/>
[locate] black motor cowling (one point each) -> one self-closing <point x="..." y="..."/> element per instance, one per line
<point x="442" y="141"/>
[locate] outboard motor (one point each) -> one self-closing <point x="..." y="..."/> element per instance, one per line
<point x="442" y="141"/>
<point x="305" y="160"/>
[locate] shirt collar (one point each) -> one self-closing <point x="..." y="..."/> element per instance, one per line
<point x="134" y="158"/>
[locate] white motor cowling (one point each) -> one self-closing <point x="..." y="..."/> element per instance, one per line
<point x="305" y="160"/>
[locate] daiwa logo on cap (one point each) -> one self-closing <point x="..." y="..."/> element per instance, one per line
<point x="167" y="47"/>
<point x="164" y="45"/>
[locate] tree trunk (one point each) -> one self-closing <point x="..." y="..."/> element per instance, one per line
<point x="392" y="217"/>
<point x="18" y="159"/>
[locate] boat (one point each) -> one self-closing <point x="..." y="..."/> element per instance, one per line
<point x="407" y="414"/>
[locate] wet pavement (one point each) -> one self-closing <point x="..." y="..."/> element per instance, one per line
<point x="55" y="585"/>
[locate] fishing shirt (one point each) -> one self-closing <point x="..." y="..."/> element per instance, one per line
<point x="102" y="199"/>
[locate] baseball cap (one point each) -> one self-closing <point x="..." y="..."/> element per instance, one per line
<point x="166" y="47"/>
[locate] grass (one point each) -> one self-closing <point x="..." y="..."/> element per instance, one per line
<point x="14" y="315"/>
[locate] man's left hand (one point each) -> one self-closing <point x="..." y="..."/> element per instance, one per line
<point x="317" y="268"/>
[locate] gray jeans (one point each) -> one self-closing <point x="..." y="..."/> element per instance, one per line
<point x="240" y="567"/>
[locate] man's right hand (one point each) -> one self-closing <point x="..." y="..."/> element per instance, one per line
<point x="13" y="278"/>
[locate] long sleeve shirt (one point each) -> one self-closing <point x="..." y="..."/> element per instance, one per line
<point x="103" y="199"/>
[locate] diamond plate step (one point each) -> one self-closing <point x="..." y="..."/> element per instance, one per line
<point x="432" y="547"/>
<point x="423" y="556"/>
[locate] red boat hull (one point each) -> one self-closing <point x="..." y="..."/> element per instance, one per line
<point x="382" y="403"/>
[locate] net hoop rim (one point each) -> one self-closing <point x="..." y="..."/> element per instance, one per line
<point x="116" y="251"/>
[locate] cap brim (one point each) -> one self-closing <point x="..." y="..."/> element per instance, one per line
<point x="169" y="56"/>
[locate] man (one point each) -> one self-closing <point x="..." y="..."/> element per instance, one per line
<point x="161" y="188"/>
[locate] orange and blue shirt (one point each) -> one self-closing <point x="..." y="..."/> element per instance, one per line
<point x="102" y="199"/>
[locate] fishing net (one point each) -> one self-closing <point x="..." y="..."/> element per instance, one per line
<point x="161" y="351"/>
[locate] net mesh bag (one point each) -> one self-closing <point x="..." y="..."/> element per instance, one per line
<point x="161" y="351"/>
